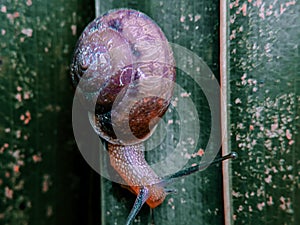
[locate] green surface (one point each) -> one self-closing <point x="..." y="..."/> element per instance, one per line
<point x="264" y="111"/>
<point x="43" y="179"/>
<point x="194" y="26"/>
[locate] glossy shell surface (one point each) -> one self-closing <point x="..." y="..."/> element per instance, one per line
<point x="124" y="70"/>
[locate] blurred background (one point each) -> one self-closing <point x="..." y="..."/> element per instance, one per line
<point x="43" y="178"/>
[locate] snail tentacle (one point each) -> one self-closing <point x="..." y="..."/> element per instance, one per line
<point x="139" y="202"/>
<point x="193" y="169"/>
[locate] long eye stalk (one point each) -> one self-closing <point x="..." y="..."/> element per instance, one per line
<point x="196" y="168"/>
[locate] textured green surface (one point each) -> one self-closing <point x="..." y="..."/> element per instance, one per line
<point x="193" y="25"/>
<point x="264" y="111"/>
<point x="43" y="179"/>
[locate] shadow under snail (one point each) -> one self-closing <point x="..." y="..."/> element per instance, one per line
<point x="124" y="70"/>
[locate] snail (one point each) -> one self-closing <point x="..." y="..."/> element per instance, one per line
<point x="124" y="70"/>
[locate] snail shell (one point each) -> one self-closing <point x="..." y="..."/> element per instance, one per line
<point x="124" y="69"/>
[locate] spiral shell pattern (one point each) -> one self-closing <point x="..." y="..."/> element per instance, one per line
<point x="115" y="55"/>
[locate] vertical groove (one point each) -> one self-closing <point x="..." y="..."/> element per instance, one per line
<point x="224" y="26"/>
<point x="97" y="8"/>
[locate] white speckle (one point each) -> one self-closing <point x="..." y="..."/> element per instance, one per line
<point x="9" y="193"/>
<point x="185" y="94"/>
<point x="237" y="101"/>
<point x="74" y="29"/>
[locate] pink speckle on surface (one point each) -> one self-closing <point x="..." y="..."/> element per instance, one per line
<point x="3" y="32"/>
<point x="274" y="126"/>
<point x="258" y="3"/>
<point x="268" y="179"/>
<point x="27" y="32"/>
<point x="233" y="35"/>
<point x="290" y="3"/>
<point x="197" y="17"/>
<point x="244" y="9"/>
<point x="170" y="121"/>
<point x="46" y="183"/>
<point x="26" y="95"/>
<point x="237" y="3"/>
<point x="16" y="14"/>
<point x="49" y="211"/>
<point x="187" y="156"/>
<point x="3" y="9"/>
<point x="12" y="16"/>
<point x="270" y="201"/>
<point x="16" y="168"/>
<point x="251" y="127"/>
<point x="288" y="134"/>
<point x="237" y="101"/>
<point x="37" y="158"/>
<point x="200" y="152"/>
<point x="26" y="118"/>
<point x="19" y="97"/>
<point x="29" y="2"/>
<point x="234" y="216"/>
<point x="260" y="206"/>
<point x="182" y="19"/>
<point x="9" y="193"/>
<point x="18" y="133"/>
<point x="282" y="9"/>
<point x="283" y="203"/>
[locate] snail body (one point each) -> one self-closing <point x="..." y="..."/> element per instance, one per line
<point x="124" y="70"/>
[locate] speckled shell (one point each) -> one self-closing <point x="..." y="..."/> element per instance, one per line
<point x="115" y="54"/>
